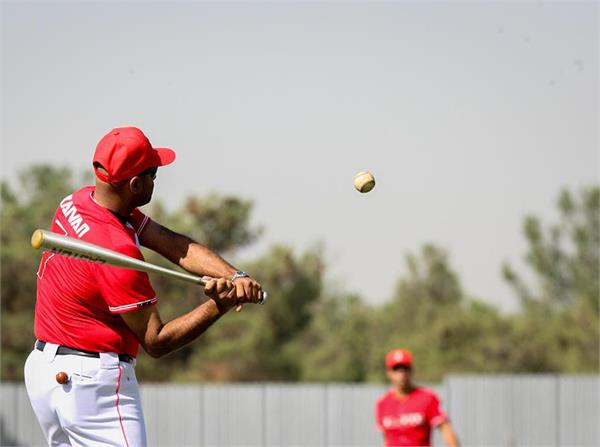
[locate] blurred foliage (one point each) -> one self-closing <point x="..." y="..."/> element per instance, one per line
<point x="31" y="205"/>
<point x="256" y="344"/>
<point x="558" y="328"/>
<point x="305" y="333"/>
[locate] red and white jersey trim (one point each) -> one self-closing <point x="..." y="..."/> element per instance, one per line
<point x="133" y="305"/>
<point x="439" y="420"/>
<point x="142" y="225"/>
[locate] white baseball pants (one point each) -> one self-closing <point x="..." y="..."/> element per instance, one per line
<point x="99" y="405"/>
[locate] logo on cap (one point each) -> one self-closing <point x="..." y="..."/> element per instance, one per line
<point x="398" y="357"/>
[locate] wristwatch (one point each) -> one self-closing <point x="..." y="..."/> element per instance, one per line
<point x="239" y="274"/>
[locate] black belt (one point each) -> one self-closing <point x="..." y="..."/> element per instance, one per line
<point x="64" y="350"/>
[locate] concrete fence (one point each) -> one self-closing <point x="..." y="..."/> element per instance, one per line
<point x="511" y="410"/>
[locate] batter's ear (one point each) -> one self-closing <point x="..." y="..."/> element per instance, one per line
<point x="134" y="184"/>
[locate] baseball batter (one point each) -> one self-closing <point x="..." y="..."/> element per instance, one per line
<point x="407" y="413"/>
<point x="91" y="318"/>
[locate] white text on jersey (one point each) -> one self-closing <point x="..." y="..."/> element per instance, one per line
<point x="75" y="220"/>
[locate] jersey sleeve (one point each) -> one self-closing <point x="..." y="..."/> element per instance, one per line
<point x="125" y="289"/>
<point x="434" y="413"/>
<point x="139" y="221"/>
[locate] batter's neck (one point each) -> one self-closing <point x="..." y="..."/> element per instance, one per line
<point x="112" y="202"/>
<point x="403" y="391"/>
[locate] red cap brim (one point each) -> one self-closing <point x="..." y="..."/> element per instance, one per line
<point x="165" y="155"/>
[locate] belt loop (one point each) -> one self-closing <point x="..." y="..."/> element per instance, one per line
<point x="109" y="360"/>
<point x="50" y="352"/>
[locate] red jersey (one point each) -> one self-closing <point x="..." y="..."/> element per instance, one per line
<point x="79" y="302"/>
<point x="408" y="421"/>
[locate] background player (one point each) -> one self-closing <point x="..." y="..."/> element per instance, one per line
<point x="91" y="318"/>
<point x="407" y="413"/>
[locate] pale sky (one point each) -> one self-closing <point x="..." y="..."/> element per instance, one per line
<point x="470" y="115"/>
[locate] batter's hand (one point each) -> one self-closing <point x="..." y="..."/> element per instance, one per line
<point x="247" y="290"/>
<point x="222" y="291"/>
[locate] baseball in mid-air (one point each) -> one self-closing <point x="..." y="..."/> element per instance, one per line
<point x="364" y="181"/>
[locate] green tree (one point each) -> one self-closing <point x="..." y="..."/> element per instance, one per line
<point x="31" y="205"/>
<point x="430" y="291"/>
<point x="337" y="343"/>
<point x="258" y="343"/>
<point x="218" y="221"/>
<point x="558" y="330"/>
<point x="431" y="315"/>
<point x="563" y="257"/>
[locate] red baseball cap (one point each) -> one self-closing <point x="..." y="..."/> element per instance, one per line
<point x="125" y="152"/>
<point x="398" y="357"/>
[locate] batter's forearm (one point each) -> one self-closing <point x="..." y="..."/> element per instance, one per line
<point x="185" y="252"/>
<point x="202" y="261"/>
<point x="162" y="338"/>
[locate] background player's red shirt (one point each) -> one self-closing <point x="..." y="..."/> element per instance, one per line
<point x="79" y="302"/>
<point x="408" y="422"/>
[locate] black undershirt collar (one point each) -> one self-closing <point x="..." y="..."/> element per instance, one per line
<point x="123" y="220"/>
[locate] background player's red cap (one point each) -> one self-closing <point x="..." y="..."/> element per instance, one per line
<point x="398" y="357"/>
<point x="125" y="152"/>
